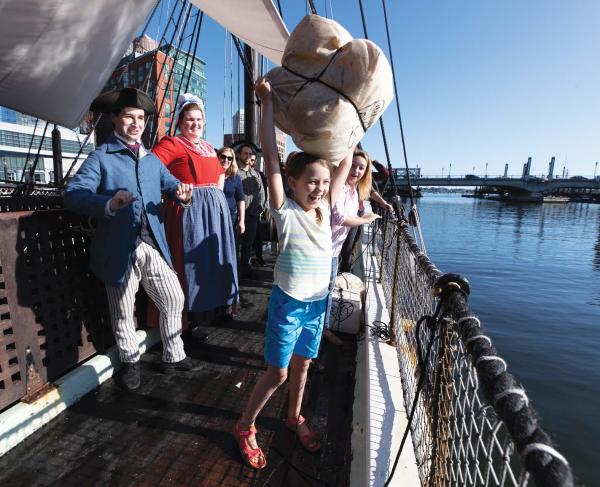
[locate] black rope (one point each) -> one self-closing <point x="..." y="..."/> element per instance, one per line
<point x="381" y="125"/>
<point x="317" y="79"/>
<point x="37" y="157"/>
<point x="313" y="9"/>
<point x="387" y="32"/>
<point x="279" y="8"/>
<point x="520" y="419"/>
<point x="431" y="321"/>
<point x="245" y="62"/>
<point x="145" y="84"/>
<point x="172" y="71"/>
<point x="196" y="34"/>
<point x="29" y="150"/>
<point x="81" y="149"/>
<point x="187" y="84"/>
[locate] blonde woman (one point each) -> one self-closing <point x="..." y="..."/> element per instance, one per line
<point x="233" y="189"/>
<point x="234" y="194"/>
<point x="344" y="215"/>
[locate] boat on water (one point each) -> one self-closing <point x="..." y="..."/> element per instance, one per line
<point x="454" y="416"/>
<point x="556" y="199"/>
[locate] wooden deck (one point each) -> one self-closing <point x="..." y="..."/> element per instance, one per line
<point x="176" y="429"/>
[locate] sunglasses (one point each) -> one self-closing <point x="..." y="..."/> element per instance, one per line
<point x="223" y="157"/>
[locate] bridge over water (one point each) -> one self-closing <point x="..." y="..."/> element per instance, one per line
<point x="518" y="188"/>
<point x="525" y="187"/>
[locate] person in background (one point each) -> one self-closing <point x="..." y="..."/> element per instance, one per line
<point x="264" y="217"/>
<point x="344" y="217"/>
<point x="234" y="194"/>
<point x="354" y="237"/>
<point x="201" y="237"/>
<point x="120" y="183"/>
<point x="300" y="285"/>
<point x="255" y="198"/>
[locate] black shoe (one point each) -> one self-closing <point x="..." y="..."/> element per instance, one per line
<point x="199" y="335"/>
<point x="128" y="378"/>
<point x="184" y="365"/>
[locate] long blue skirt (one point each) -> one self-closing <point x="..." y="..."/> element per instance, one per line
<point x="210" y="264"/>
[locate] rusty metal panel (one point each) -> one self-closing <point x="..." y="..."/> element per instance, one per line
<point x="58" y="312"/>
<point x="12" y="384"/>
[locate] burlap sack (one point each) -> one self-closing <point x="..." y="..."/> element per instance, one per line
<point x="330" y="89"/>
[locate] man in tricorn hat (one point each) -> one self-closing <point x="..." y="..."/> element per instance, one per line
<point x="120" y="184"/>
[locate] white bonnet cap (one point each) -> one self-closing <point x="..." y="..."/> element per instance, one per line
<point x="187" y="98"/>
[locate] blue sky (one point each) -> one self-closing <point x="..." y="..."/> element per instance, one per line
<point x="479" y="81"/>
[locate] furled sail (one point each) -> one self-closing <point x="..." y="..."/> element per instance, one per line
<point x="255" y="22"/>
<point x="56" y="55"/>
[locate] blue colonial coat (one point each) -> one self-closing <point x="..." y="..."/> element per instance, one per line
<point x="108" y="169"/>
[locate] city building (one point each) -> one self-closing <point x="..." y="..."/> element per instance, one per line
<point x="281" y="140"/>
<point x="19" y="143"/>
<point x="163" y="73"/>
<point x="238" y="122"/>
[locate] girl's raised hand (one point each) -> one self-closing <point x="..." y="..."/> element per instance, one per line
<point x="262" y="87"/>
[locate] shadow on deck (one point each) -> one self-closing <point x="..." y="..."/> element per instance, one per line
<point x="176" y="429"/>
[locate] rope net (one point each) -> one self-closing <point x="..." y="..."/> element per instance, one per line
<point x="464" y="414"/>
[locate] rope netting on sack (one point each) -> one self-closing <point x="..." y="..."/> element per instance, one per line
<point x="471" y="422"/>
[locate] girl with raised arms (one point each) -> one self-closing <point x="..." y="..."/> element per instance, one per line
<point x="301" y="280"/>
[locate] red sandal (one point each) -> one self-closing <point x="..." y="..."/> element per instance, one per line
<point x="310" y="441"/>
<point x="254" y="458"/>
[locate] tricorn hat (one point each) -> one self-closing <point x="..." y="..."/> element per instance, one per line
<point x="115" y="100"/>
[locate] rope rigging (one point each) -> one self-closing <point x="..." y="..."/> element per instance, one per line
<point x="172" y="70"/>
<point x="161" y="42"/>
<point x="413" y="217"/>
<point x="29" y="150"/>
<point x="37" y="156"/>
<point x="188" y="56"/>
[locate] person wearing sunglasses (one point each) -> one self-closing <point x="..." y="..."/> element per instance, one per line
<point x="234" y="194"/>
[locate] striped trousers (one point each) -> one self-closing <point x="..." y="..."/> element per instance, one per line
<point x="162" y="286"/>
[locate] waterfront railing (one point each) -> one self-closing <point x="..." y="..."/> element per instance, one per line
<point x="472" y="424"/>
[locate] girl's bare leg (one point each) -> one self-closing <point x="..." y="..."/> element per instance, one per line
<point x="298" y="373"/>
<point x="263" y="390"/>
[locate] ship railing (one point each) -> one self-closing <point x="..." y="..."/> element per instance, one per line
<point x="53" y="311"/>
<point x="472" y="422"/>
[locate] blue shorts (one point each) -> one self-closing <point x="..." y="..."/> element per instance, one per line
<point x="293" y="327"/>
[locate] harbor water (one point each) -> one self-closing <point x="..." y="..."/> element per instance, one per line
<point x="534" y="270"/>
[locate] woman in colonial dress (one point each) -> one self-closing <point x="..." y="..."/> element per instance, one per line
<point x="201" y="238"/>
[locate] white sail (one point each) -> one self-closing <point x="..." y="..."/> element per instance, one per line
<point x="255" y="22"/>
<point x="56" y="55"/>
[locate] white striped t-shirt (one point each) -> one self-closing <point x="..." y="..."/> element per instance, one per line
<point x="303" y="267"/>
